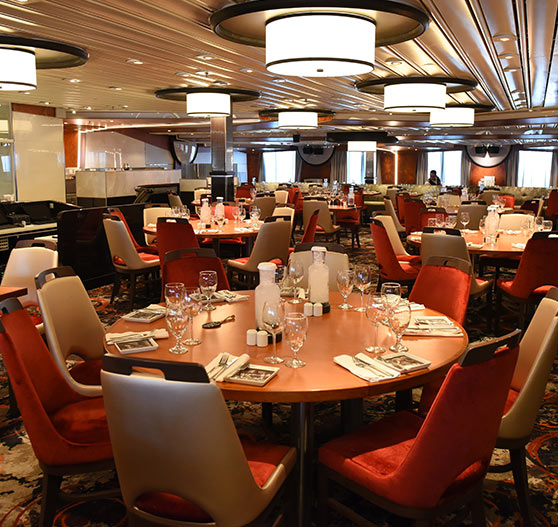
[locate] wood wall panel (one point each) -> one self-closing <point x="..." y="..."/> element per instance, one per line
<point x="315" y="172"/>
<point x="47" y="111"/>
<point x="387" y="167"/>
<point x="254" y="162"/>
<point x="407" y="167"/>
<point x="71" y="147"/>
<point x="478" y="172"/>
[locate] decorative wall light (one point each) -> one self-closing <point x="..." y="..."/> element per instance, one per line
<point x="415" y="94"/>
<point x="208" y="102"/>
<point x="361" y="146"/>
<point x="319" y="38"/>
<point x="456" y="116"/>
<point x="20" y="57"/>
<point x="296" y="118"/>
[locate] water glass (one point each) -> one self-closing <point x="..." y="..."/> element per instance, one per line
<point x="295" y="329"/>
<point x="220" y="221"/>
<point x="547" y="225"/>
<point x="362" y="281"/>
<point x="398" y="322"/>
<point x="236" y="213"/>
<point x="451" y="221"/>
<point x="539" y="223"/>
<point x="208" y="286"/>
<point x="440" y="220"/>
<point x="391" y="295"/>
<point x="241" y="213"/>
<point x="375" y="312"/>
<point x="174" y="293"/>
<point x="272" y="318"/>
<point x="345" y="282"/>
<point x="464" y="219"/>
<point x="177" y="321"/>
<point x="296" y="274"/>
<point x="191" y="308"/>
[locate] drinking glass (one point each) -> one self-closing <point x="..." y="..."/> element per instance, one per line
<point x="362" y="281"/>
<point x="527" y="227"/>
<point x="236" y="214"/>
<point x="296" y="327"/>
<point x="398" y="322"/>
<point x="220" y="221"/>
<point x="391" y="295"/>
<point x="464" y="219"/>
<point x="431" y="222"/>
<point x="539" y="223"/>
<point x="255" y="215"/>
<point x="208" y="286"/>
<point x="241" y="213"/>
<point x="191" y="308"/>
<point x="177" y="321"/>
<point x="296" y="274"/>
<point x="174" y="293"/>
<point x="272" y="319"/>
<point x="375" y="312"/>
<point x="547" y="225"/>
<point x="440" y="220"/>
<point x="482" y="228"/>
<point x="345" y="282"/>
<point x="451" y="221"/>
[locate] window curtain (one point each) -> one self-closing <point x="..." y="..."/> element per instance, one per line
<point x="378" y="174"/>
<point x="298" y="167"/>
<point x="339" y="166"/>
<point x="512" y="166"/>
<point x="465" y="168"/>
<point x="554" y="170"/>
<point x="422" y="168"/>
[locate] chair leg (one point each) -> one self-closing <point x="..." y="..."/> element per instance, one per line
<point x="132" y="289"/>
<point x="267" y="413"/>
<point x="115" y="287"/>
<point x="49" y="498"/>
<point x="477" y="510"/>
<point x="323" y="491"/>
<point x="519" y="468"/>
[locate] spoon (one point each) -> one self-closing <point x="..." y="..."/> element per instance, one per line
<point x="217" y="323"/>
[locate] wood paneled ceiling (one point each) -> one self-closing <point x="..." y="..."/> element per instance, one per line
<point x="177" y="47"/>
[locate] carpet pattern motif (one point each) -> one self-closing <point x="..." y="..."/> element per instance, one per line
<point x="20" y="476"/>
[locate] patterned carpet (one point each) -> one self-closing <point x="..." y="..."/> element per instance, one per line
<point x="20" y="474"/>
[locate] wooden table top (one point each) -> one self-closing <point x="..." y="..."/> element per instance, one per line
<point x="228" y="230"/>
<point x="503" y="247"/>
<point x="11" y="292"/>
<point x="336" y="333"/>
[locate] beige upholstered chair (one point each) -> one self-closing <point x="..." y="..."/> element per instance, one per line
<point x="400" y="252"/>
<point x="513" y="222"/>
<point x="266" y="204"/>
<point x="272" y="243"/>
<point x="391" y="192"/>
<point x="175" y="201"/>
<point x="476" y="212"/>
<point x="195" y="468"/>
<point x="281" y="196"/>
<point x="72" y="327"/>
<point x="537" y="352"/>
<point x="150" y="215"/>
<point x="390" y="211"/>
<point x="125" y="259"/>
<point x="456" y="246"/>
<point x="336" y="260"/>
<point x="449" y="200"/>
<point x="285" y="211"/>
<point x="200" y="192"/>
<point x="488" y="195"/>
<point x="325" y="224"/>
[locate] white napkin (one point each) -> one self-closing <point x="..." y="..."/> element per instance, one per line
<point x="158" y="308"/>
<point x="346" y="361"/>
<point x="475" y="245"/>
<point x="518" y="245"/>
<point x="416" y="331"/>
<point x="243" y="229"/>
<point x="416" y="233"/>
<point x="228" y="296"/>
<point x="131" y="335"/>
<point x="234" y="364"/>
<point x="413" y="305"/>
<point x="469" y="231"/>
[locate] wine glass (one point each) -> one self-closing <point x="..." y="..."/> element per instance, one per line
<point x="375" y="312"/>
<point x="547" y="226"/>
<point x="208" y="286"/>
<point x="527" y="227"/>
<point x="464" y="219"/>
<point x="539" y="223"/>
<point x="451" y="221"/>
<point x="177" y="321"/>
<point x="174" y="293"/>
<point x="296" y="274"/>
<point x="482" y="228"/>
<point x="220" y="221"/>
<point x="440" y="219"/>
<point x="296" y="327"/>
<point x="345" y="282"/>
<point x="255" y="215"/>
<point x="272" y="319"/>
<point x="391" y="295"/>
<point x="362" y="281"/>
<point x="241" y="213"/>
<point x="236" y="214"/>
<point x="398" y="322"/>
<point x="191" y="308"/>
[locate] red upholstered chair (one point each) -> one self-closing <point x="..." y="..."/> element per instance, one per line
<point x="443" y="284"/>
<point x="188" y="470"/>
<point x="391" y="269"/>
<point x="68" y="431"/>
<point x="429" y="213"/>
<point x="174" y="233"/>
<point x="552" y="204"/>
<point x="421" y="468"/>
<point x="509" y="201"/>
<point x="310" y="231"/>
<point x="400" y="197"/>
<point x="244" y="191"/>
<point x="411" y="214"/>
<point x="533" y="205"/>
<point x="535" y="275"/>
<point x="184" y="265"/>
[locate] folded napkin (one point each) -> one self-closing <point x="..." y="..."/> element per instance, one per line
<point x="475" y="245"/>
<point x="112" y="338"/>
<point x="234" y="363"/>
<point x="364" y="372"/>
<point x="518" y="245"/>
<point x="228" y="296"/>
<point x="414" y="307"/>
<point x="205" y="231"/>
<point x="420" y="331"/>
<point x="469" y="231"/>
<point x="509" y="231"/>
<point x="157" y="308"/>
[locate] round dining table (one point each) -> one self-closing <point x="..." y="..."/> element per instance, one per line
<point x="338" y="332"/>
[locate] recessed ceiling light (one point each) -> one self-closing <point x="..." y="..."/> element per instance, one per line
<point x="124" y="106"/>
<point x="247" y="70"/>
<point x="116" y="88"/>
<point x="5" y="29"/>
<point x="203" y="73"/>
<point x="74" y="111"/>
<point x="25" y="92"/>
<point x="428" y="64"/>
<point x="511" y="69"/>
<point x="86" y="108"/>
<point x="111" y="121"/>
<point x="279" y="80"/>
<point x="134" y="61"/>
<point x="168" y="130"/>
<point x="204" y="56"/>
<point x="182" y="73"/>
<point x="73" y="81"/>
<point x="220" y="83"/>
<point x="394" y="61"/>
<point x="507" y="56"/>
<point x="504" y="37"/>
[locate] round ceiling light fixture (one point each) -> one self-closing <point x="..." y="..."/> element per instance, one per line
<point x="415" y="94"/>
<point x="361" y="146"/>
<point x="339" y="36"/>
<point x="20" y="57"/>
<point x="456" y="116"/>
<point x="296" y="118"/>
<point x="208" y="102"/>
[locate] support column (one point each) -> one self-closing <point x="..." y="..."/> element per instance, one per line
<point x="222" y="164"/>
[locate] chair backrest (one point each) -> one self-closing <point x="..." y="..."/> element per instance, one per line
<point x="460" y="429"/>
<point x="288" y="212"/>
<point x="532" y="205"/>
<point x="324" y="216"/>
<point x="395" y="240"/>
<point x="434" y="244"/>
<point x="389" y="266"/>
<point x="509" y="201"/>
<point x="47" y="244"/>
<point x="476" y="212"/>
<point x="310" y="230"/>
<point x="488" y="195"/>
<point x="199" y="193"/>
<point x="266" y="204"/>
<point x="400" y="197"/>
<point x="512" y="221"/>
<point x="390" y="211"/>
<point x="446" y="230"/>
<point x="184" y="265"/>
<point x="444" y="284"/>
<point x="431" y="212"/>
<point x="150" y="216"/>
<point x="23" y="265"/>
<point x="174" y="233"/>
<point x="391" y="192"/>
<point x="537" y="266"/>
<point x="449" y="200"/>
<point x="552" y="204"/>
<point x="281" y="196"/>
<point x="124" y="254"/>
<point x="39" y="387"/>
<point x="113" y="211"/>
<point x="272" y="242"/>
<point x="72" y="326"/>
<point x="175" y="200"/>
<point x="335" y="261"/>
<point x="411" y="214"/>
<point x="197" y="459"/>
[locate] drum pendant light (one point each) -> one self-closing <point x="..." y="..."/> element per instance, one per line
<point x="361" y="146"/>
<point x="298" y="120"/>
<point x="452" y="117"/>
<point x="414" y="97"/>
<point x="17" y="69"/>
<point x="208" y="104"/>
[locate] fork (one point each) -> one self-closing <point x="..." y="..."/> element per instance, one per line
<point x="363" y="364"/>
<point x="219" y="367"/>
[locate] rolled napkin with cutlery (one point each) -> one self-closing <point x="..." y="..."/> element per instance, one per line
<point x="361" y="366"/>
<point x="113" y="338"/>
<point x="433" y="326"/>
<point x="225" y="364"/>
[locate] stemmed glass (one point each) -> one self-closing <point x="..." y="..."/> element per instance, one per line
<point x="391" y="295"/>
<point x="296" y="327"/>
<point x="482" y="228"/>
<point x="176" y="318"/>
<point x="451" y="221"/>
<point x="241" y="213"/>
<point x="296" y="274"/>
<point x="345" y="282"/>
<point x="272" y="319"/>
<point x="362" y="281"/>
<point x="255" y="215"/>
<point x="208" y="286"/>
<point x="464" y="219"/>
<point x="398" y="322"/>
<point x="236" y="214"/>
<point x="191" y="308"/>
<point x="220" y="221"/>
<point x="174" y="293"/>
<point x="375" y="312"/>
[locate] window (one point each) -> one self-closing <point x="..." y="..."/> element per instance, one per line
<point x="279" y="167"/>
<point x="447" y="165"/>
<point x="356" y="167"/>
<point x="533" y="168"/>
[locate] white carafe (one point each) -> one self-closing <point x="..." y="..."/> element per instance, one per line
<point x="351" y="197"/>
<point x="220" y="208"/>
<point x="205" y="212"/>
<point x="267" y="290"/>
<point x="318" y="276"/>
<point x="491" y="224"/>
